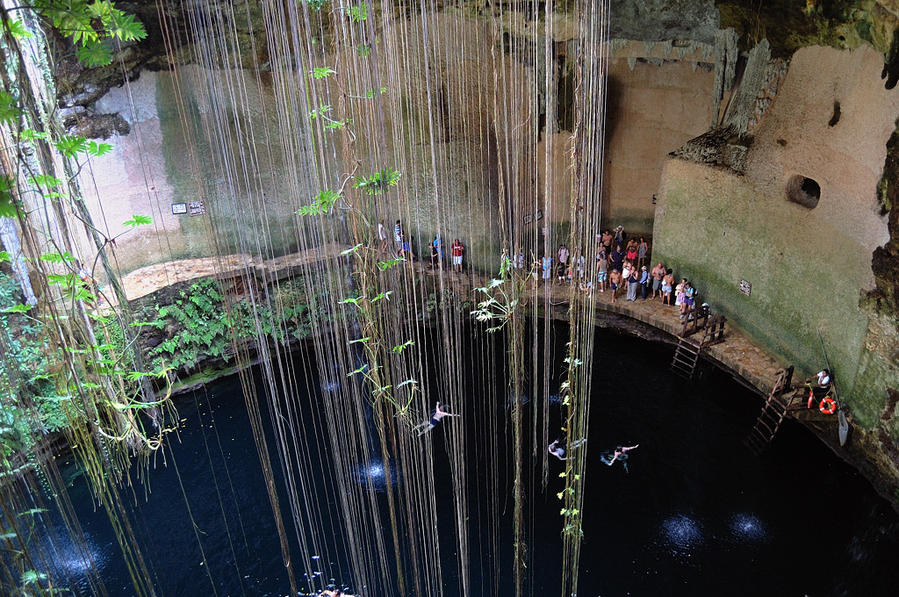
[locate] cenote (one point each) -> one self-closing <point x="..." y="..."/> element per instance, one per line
<point x="697" y="513"/>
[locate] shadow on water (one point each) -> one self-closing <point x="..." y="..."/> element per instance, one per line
<point x="696" y="514"/>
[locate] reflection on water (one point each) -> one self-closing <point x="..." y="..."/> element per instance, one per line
<point x="682" y="532"/>
<point x="747" y="528"/>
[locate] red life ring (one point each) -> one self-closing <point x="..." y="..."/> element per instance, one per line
<point x="828" y="405"/>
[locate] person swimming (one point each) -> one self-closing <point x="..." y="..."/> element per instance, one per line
<point x="620" y="454"/>
<point x="438" y="414"/>
<point x="560" y="451"/>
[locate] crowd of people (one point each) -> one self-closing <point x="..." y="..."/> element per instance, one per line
<point x="402" y="247"/>
<point x="621" y="266"/>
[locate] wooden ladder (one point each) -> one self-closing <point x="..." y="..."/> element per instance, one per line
<point x="686" y="357"/>
<point x="773" y="412"/>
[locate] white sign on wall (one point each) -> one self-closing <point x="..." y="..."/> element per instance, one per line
<point x="179" y="208"/>
<point x="745" y="287"/>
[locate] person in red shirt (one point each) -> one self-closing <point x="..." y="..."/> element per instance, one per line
<point x="457" y="249"/>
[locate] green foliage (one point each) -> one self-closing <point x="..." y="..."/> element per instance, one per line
<point x="138" y="221"/>
<point x="9" y="110"/>
<point x="5" y="256"/>
<point x="71" y="145"/>
<point x="316" y="5"/>
<point x="322" y="72"/>
<point x="44" y="180"/>
<point x="320" y="111"/>
<point x="321" y="204"/>
<point x="359" y="12"/>
<point x="31" y="404"/>
<point x="378" y="182"/>
<point x="363" y="50"/>
<point x="94" y="53"/>
<point x="337" y="124"/>
<point x="17" y="28"/>
<point x="8" y="207"/>
<point x="89" y="24"/>
<point x="372" y="93"/>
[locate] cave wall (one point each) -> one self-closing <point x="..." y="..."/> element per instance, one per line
<point x="169" y="156"/>
<point x="654" y="108"/>
<point x="809" y="267"/>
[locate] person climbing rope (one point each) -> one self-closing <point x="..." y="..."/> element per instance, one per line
<point x="438" y="414"/>
<point x="560" y="451"/>
<point x="620" y="454"/>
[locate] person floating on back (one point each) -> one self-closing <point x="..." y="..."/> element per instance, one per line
<point x="620" y="454"/>
<point x="561" y="451"/>
<point x="438" y="414"/>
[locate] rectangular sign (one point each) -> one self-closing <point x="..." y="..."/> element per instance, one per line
<point x="196" y="208"/>
<point x="745" y="287"/>
<point x="179" y="208"/>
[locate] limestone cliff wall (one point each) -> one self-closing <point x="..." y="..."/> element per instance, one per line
<point x="810" y="267"/>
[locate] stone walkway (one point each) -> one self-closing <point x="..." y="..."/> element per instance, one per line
<point x="737" y="354"/>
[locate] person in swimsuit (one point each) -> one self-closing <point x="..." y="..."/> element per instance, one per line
<point x="614" y="282"/>
<point x="560" y="451"/>
<point x="658" y="272"/>
<point x="438" y="414"/>
<point x="642" y="250"/>
<point x="620" y="454"/>
<point x="602" y="269"/>
<point x="667" y="287"/>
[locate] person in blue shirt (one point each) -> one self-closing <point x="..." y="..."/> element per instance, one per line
<point x="644" y="282"/>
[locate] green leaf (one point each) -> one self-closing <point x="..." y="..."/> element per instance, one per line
<point x="17" y="309"/>
<point x="8" y="207"/>
<point x="71" y="145"/>
<point x="366" y="339"/>
<point x="321" y="204"/>
<point x="359" y="12"/>
<point x="403" y="346"/>
<point x="98" y="149"/>
<point x="320" y="111"/>
<point x="378" y="182"/>
<point x="94" y="53"/>
<point x="138" y="221"/>
<point x="30" y="577"/>
<point x="322" y="72"/>
<point x="337" y="124"/>
<point x="31" y="135"/>
<point x="350" y="250"/>
<point x="5" y="256"/>
<point x="9" y="111"/>
<point x="44" y="180"/>
<point x="57" y="258"/>
<point x="385" y="265"/>
<point x="371" y="93"/>
<point x="17" y="28"/>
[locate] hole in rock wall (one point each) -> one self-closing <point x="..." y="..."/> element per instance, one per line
<point x="835" y="118"/>
<point x="804" y="191"/>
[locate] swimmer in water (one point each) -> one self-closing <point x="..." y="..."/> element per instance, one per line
<point x="438" y="414"/>
<point x="620" y="454"/>
<point x="560" y="451"/>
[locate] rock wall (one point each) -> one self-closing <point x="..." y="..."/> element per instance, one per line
<point x="809" y="267"/>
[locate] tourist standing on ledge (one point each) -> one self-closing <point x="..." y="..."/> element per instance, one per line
<point x="398" y="236"/>
<point x="644" y="282"/>
<point x="614" y="282"/>
<point x="642" y="250"/>
<point x="658" y="272"/>
<point x="632" y="283"/>
<point x="602" y="269"/>
<point x="458" y="249"/>
<point x="667" y="286"/>
<point x="617" y="258"/>
<point x="382" y="235"/>
<point x="547" y="268"/>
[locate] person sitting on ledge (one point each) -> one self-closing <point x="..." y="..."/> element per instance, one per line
<point x="818" y="387"/>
